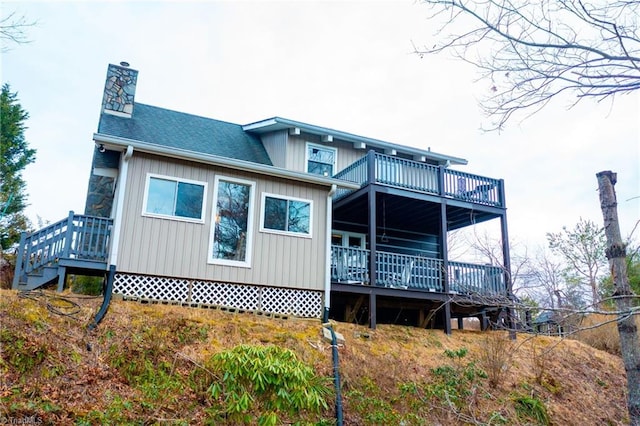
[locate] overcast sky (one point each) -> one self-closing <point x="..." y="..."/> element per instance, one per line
<point x="342" y="65"/>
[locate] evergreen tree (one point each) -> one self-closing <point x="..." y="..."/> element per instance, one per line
<point x="15" y="155"/>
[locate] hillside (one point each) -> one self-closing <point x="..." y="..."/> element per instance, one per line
<point x="150" y="364"/>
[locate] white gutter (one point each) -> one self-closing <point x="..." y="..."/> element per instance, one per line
<point x="117" y="220"/>
<point x="114" y="142"/>
<point x="327" y="274"/>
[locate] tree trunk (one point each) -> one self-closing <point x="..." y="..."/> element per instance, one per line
<point x="616" y="253"/>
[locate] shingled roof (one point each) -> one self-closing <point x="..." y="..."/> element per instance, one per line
<point x="185" y="131"/>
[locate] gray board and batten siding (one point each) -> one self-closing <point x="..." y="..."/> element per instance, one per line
<point x="275" y="144"/>
<point x="289" y="151"/>
<point x="174" y="248"/>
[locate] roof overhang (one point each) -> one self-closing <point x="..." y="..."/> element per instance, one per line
<point x="294" y="127"/>
<point x="120" y="144"/>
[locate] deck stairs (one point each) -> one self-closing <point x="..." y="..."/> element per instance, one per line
<point x="77" y="244"/>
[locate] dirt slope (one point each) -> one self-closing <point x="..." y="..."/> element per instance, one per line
<point x="143" y="365"/>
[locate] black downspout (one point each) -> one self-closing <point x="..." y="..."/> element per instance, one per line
<point x="325" y="315"/>
<point x="336" y="376"/>
<point x="107" y="298"/>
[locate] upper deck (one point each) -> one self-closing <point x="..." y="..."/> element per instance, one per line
<point x="377" y="168"/>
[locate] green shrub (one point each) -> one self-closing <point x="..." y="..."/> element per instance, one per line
<point x="20" y="352"/>
<point x="267" y="379"/>
<point x="454" y="383"/>
<point x="532" y="408"/>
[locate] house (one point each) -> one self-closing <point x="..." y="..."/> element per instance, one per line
<point x="554" y="323"/>
<point x="277" y="216"/>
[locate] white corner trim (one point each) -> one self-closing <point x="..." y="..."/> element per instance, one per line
<point x="121" y="187"/>
<point x="327" y="260"/>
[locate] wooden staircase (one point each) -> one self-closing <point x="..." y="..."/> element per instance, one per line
<point x="77" y="244"/>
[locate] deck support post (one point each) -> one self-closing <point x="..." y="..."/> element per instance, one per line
<point x="372" y="310"/>
<point x="460" y="323"/>
<point x="510" y="322"/>
<point x="447" y="317"/>
<point x="373" y="220"/>
<point x="484" y="322"/>
<point x="21" y="254"/>
<point x="62" y="277"/>
<point x="444" y="249"/>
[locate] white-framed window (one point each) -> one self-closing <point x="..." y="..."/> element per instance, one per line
<point x="232" y="224"/>
<point x="174" y="198"/>
<point x="286" y="215"/>
<point x="321" y="160"/>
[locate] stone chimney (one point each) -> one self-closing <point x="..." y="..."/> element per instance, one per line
<point x="119" y="90"/>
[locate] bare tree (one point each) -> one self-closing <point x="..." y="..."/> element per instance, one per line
<point x="13" y="29"/>
<point x="583" y="249"/>
<point x="544" y="280"/>
<point x="485" y="247"/>
<point x="534" y="51"/>
<point x="627" y="328"/>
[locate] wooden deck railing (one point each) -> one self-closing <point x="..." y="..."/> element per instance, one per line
<point x="418" y="176"/>
<point x="351" y="266"/>
<point x="76" y="237"/>
<point x="481" y="279"/>
<point x="404" y="271"/>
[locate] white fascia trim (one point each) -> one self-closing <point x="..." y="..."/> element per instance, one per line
<point x="278" y="123"/>
<point x="111" y="142"/>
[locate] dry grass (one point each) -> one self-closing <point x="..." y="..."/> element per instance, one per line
<point x="600" y="331"/>
<point x="74" y="376"/>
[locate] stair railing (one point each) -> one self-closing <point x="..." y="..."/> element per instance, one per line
<point x="77" y="236"/>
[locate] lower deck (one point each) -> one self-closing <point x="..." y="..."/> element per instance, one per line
<point x="366" y="305"/>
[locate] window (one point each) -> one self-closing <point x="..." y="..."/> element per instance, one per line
<point x="286" y="215"/>
<point x="232" y="223"/>
<point x="348" y="239"/>
<point x="321" y="160"/>
<point x="175" y="198"/>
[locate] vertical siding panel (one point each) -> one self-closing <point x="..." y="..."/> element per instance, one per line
<point x="276" y="145"/>
<point x="177" y="248"/>
<point x="296" y="153"/>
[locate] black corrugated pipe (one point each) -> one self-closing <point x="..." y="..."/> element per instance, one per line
<point x="108" y="289"/>
<point x="325" y="316"/>
<point x="336" y="375"/>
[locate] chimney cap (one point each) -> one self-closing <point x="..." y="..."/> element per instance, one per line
<point x="124" y="63"/>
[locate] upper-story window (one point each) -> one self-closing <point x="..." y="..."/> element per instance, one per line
<point x="174" y="198"/>
<point x="321" y="160"/>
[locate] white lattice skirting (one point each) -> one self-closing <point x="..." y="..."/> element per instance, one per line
<point x="244" y="297"/>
